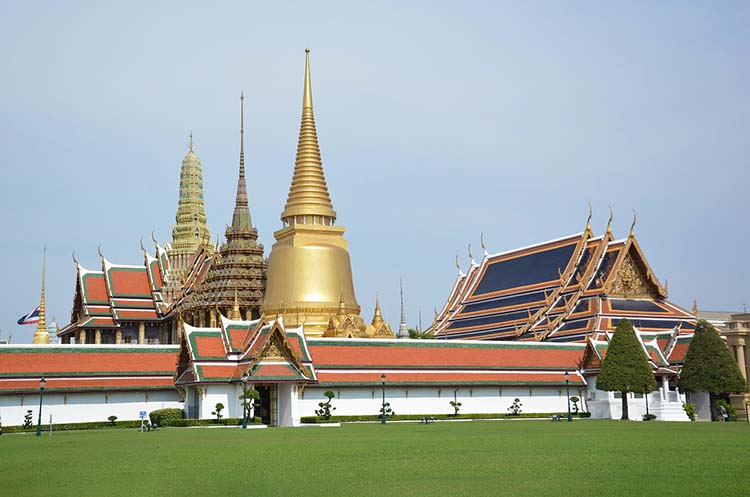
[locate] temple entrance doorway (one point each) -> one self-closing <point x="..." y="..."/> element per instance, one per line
<point x="268" y="414"/>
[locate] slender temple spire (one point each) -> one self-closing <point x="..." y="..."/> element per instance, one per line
<point x="241" y="218"/>
<point x="403" y="330"/>
<point x="42" y="335"/>
<point x="308" y="201"/>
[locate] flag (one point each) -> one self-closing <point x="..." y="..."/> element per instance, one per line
<point x="30" y="318"/>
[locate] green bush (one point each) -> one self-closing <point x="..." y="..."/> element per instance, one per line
<point x="417" y="417"/>
<point x="689" y="410"/>
<point x="166" y="417"/>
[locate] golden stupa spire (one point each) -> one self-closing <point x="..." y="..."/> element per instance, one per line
<point x="236" y="315"/>
<point x="377" y="318"/>
<point x="308" y="201"/>
<point x="42" y="335"/>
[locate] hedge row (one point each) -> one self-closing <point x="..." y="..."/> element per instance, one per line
<point x="215" y="422"/>
<point x="167" y="416"/>
<point x="416" y="417"/>
<point x="93" y="425"/>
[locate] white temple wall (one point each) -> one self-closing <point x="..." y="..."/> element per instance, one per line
<point x="352" y="401"/>
<point x="229" y="395"/>
<point x="80" y="407"/>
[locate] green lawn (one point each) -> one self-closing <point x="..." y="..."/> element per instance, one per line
<point x="515" y="458"/>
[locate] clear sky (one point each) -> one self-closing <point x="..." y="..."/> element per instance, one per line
<point x="437" y="121"/>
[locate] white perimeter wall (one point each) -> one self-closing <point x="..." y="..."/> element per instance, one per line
<point x="434" y="400"/>
<point x="85" y="406"/>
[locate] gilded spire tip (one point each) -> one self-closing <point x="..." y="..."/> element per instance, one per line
<point x="609" y="223"/>
<point x="632" y="226"/>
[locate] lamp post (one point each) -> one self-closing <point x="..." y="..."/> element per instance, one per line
<point x="567" y="393"/>
<point x="645" y="397"/>
<point x="382" y="409"/>
<point x="245" y="377"/>
<point x="41" y="395"/>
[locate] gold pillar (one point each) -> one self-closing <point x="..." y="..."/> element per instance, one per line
<point x="141" y="333"/>
<point x="83" y="336"/>
<point x="98" y="337"/>
<point x="118" y="336"/>
<point x="212" y="318"/>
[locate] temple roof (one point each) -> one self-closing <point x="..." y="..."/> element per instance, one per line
<point x="86" y="367"/>
<point x="561" y="290"/>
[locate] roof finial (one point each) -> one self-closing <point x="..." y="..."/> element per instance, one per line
<point x="100" y="251"/>
<point x="142" y="247"/>
<point x="458" y="267"/>
<point x="153" y="236"/>
<point x="377" y="318"/>
<point x="609" y="223"/>
<point x="632" y="226"/>
<point x="471" y="257"/>
<point x="481" y="242"/>
<point x="695" y="308"/>
<point x="75" y="261"/>
<point x="403" y="330"/>
<point x="41" y="335"/>
<point x="190" y="142"/>
<point x="588" y="221"/>
<point x="307" y="96"/>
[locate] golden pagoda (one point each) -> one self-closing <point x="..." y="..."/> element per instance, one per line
<point x="309" y="271"/>
<point x="41" y="335"/>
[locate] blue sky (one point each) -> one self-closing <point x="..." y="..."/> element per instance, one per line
<point x="437" y="121"/>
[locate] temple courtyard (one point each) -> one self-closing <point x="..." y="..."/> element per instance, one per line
<point x="474" y="458"/>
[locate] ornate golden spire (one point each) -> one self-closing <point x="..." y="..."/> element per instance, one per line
<point x="609" y="223"/>
<point x="377" y="318"/>
<point x="308" y="201"/>
<point x="632" y="226"/>
<point x="236" y="307"/>
<point x="42" y="335"/>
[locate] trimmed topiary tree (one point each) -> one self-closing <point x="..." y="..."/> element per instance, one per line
<point x="625" y="367"/>
<point x="325" y="407"/>
<point x="709" y="365"/>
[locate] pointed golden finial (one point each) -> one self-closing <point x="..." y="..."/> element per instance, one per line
<point x="153" y="236"/>
<point x="41" y="336"/>
<point x="458" y="266"/>
<point x="609" y="223"/>
<point x="377" y="318"/>
<point x="236" y="316"/>
<point x="666" y="288"/>
<point x="695" y="308"/>
<point x="190" y="143"/>
<point x="471" y="257"/>
<point x="588" y="221"/>
<point x="632" y="226"/>
<point x="308" y="195"/>
<point x="481" y="242"/>
<point x="142" y="247"/>
<point x="341" y="313"/>
<point x="435" y="315"/>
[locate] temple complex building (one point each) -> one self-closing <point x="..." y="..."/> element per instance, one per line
<point x="231" y="282"/>
<point x="569" y="289"/>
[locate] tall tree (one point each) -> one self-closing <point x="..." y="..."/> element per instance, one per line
<point x="625" y="367"/>
<point x="709" y="365"/>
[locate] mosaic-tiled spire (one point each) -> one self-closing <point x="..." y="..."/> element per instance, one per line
<point x="191" y="229"/>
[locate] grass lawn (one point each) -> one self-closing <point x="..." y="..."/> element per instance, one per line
<point x="515" y="458"/>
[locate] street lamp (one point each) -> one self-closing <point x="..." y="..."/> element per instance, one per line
<point x="245" y="377"/>
<point x="567" y="393"/>
<point x="645" y="397"/>
<point x="41" y="395"/>
<point x="382" y="409"/>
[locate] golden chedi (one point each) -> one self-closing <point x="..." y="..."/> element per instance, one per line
<point x="309" y="271"/>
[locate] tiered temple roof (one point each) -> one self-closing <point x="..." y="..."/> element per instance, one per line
<point x="567" y="289"/>
<point x="118" y="296"/>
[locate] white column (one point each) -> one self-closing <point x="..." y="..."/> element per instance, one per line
<point x="665" y="388"/>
